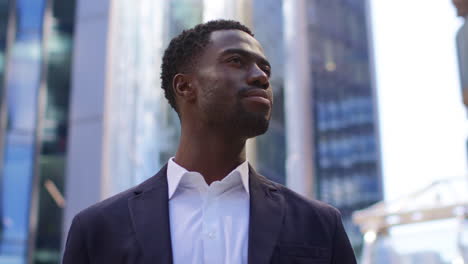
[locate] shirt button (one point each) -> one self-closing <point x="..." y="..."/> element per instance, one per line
<point x="211" y="235"/>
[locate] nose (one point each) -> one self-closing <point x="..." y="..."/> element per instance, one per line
<point x="258" y="78"/>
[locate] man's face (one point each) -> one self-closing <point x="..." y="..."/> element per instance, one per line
<point x="232" y="81"/>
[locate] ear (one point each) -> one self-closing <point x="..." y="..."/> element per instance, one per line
<point x="182" y="87"/>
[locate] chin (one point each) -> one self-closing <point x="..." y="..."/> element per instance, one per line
<point x="252" y="125"/>
<point x="251" y="132"/>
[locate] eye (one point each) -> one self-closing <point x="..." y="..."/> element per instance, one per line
<point x="235" y="60"/>
<point x="267" y="70"/>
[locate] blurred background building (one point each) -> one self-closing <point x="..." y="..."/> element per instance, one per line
<point x="462" y="48"/>
<point x="427" y="226"/>
<point x="343" y="103"/>
<point x="36" y="43"/>
<point x="83" y="117"/>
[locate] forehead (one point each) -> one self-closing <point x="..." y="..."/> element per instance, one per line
<point x="233" y="39"/>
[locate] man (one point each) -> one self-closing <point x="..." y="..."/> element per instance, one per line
<point x="207" y="205"/>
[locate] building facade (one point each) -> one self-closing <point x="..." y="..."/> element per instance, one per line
<point x="36" y="42"/>
<point x="343" y="103"/>
<point x="462" y="49"/>
<point x="347" y="154"/>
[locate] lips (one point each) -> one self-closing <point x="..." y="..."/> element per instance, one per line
<point x="256" y="92"/>
<point x="257" y="96"/>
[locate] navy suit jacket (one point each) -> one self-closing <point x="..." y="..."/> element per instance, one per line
<point x="133" y="227"/>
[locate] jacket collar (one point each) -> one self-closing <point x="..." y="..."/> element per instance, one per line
<point x="149" y="210"/>
<point x="176" y="173"/>
<point x="267" y="208"/>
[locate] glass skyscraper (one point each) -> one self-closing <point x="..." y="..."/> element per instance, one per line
<point x="267" y="25"/>
<point x="36" y="40"/>
<point x="462" y="47"/>
<point x="347" y="159"/>
<point x="462" y="50"/>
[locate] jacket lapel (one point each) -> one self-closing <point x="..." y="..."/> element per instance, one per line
<point x="149" y="210"/>
<point x="266" y="218"/>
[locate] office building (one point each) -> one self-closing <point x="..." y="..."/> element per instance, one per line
<point x="347" y="170"/>
<point x="36" y="43"/>
<point x="462" y="49"/>
<point x="347" y="151"/>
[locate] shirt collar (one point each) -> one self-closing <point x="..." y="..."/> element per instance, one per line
<point x="175" y="173"/>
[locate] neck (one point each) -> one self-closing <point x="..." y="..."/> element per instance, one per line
<point x="212" y="153"/>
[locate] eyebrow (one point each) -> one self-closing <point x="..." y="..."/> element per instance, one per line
<point x="246" y="54"/>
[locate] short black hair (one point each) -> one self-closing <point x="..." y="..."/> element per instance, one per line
<point x="183" y="50"/>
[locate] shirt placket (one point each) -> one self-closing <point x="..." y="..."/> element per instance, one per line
<point x="212" y="245"/>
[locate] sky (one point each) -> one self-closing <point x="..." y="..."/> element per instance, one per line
<point x="423" y="122"/>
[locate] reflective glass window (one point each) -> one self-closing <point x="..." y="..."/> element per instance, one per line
<point x="462" y="50"/>
<point x="346" y="153"/>
<point x="267" y="24"/>
<point x="54" y="126"/>
<point x="21" y="86"/>
<point x="4" y="13"/>
<point x="4" y="7"/>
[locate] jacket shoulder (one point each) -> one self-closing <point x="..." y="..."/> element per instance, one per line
<point x="107" y="205"/>
<point x="118" y="203"/>
<point x="293" y="198"/>
<point x="301" y="207"/>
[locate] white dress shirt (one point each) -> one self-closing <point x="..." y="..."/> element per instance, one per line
<point x="209" y="223"/>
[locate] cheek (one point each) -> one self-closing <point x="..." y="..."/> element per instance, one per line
<point x="218" y="90"/>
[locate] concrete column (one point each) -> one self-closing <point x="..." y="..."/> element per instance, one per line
<point x="298" y="100"/>
<point x="462" y="47"/>
<point x="87" y="127"/>
<point x="375" y="101"/>
<point x="240" y="10"/>
<point x="462" y="50"/>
